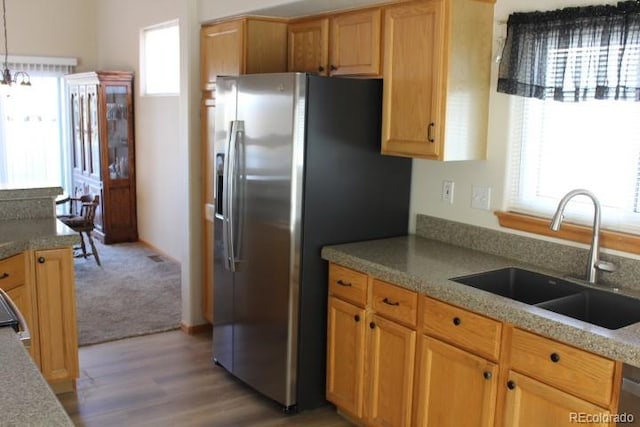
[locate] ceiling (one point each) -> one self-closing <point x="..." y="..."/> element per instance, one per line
<point x="309" y="7"/>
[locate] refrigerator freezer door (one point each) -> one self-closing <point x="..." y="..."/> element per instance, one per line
<point x="226" y="101"/>
<point x="268" y="187"/>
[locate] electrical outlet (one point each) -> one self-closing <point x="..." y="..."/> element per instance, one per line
<point x="480" y="197"/>
<point x="447" y="192"/>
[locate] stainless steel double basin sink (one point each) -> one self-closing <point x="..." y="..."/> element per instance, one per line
<point x="601" y="308"/>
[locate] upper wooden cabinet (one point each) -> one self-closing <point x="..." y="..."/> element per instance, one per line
<point x="308" y="43"/>
<point x="355" y="43"/>
<point x="103" y="151"/>
<point x="437" y="65"/>
<point x="343" y="44"/>
<point x="242" y="46"/>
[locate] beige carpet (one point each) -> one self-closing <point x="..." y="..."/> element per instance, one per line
<point x="135" y="292"/>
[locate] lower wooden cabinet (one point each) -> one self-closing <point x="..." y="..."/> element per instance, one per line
<point x="41" y="284"/>
<point x="390" y="371"/>
<point x="345" y="358"/>
<point x="13" y="280"/>
<point x="530" y="403"/>
<point x="453" y="382"/>
<point x="470" y="370"/>
<point x="55" y="299"/>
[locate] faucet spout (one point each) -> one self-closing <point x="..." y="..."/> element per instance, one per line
<point x="593" y="263"/>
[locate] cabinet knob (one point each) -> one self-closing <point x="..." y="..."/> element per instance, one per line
<point x="320" y="69"/>
<point x="41" y="260"/>
<point x="4" y="276"/>
<point x="487" y="375"/>
<point x="372" y="325"/>
<point x="555" y="357"/>
<point x="356" y="318"/>
<point x="457" y="321"/>
<point x="511" y="385"/>
<point x="343" y="283"/>
<point x="333" y="67"/>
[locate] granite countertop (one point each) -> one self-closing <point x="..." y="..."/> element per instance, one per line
<point x="18" y="235"/>
<point x="25" y="397"/>
<point x="426" y="266"/>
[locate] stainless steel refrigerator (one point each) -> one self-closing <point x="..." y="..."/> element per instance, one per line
<point x="298" y="166"/>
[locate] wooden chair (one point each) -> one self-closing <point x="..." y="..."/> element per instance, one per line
<point x="80" y="218"/>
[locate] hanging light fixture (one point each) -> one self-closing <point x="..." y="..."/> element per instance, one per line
<point x="20" y="77"/>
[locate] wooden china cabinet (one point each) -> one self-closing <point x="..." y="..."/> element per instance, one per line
<point x="102" y="140"/>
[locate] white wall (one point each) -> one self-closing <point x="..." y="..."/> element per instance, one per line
<point x="167" y="138"/>
<point x="53" y="28"/>
<point x="428" y="175"/>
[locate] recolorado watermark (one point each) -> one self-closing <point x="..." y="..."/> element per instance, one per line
<point x="600" y="418"/>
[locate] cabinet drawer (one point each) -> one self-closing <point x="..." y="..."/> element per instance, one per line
<point x="468" y="330"/>
<point x="12" y="272"/>
<point x="395" y="303"/>
<point x="348" y="284"/>
<point x="575" y="371"/>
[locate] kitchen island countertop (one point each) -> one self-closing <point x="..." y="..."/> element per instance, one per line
<point x="25" y="397"/>
<point x="427" y="266"/>
<point x="18" y="235"/>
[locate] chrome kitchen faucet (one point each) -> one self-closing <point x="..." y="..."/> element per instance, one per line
<point x="593" y="263"/>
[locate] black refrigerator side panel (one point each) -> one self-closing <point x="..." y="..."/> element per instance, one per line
<point x="351" y="193"/>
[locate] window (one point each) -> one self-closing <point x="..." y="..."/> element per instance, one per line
<point x="559" y="146"/>
<point x="160" y="59"/>
<point x="575" y="122"/>
<point x="33" y="148"/>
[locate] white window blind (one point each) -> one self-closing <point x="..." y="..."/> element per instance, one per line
<point x="33" y="148"/>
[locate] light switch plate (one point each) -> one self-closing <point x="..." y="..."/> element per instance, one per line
<point x="447" y="192"/>
<point x="481" y="197"/>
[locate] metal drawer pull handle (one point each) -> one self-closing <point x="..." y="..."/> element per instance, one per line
<point x="343" y="283"/>
<point x="389" y="302"/>
<point x="4" y="276"/>
<point x="457" y="321"/>
<point x="430" y="132"/>
<point x="555" y="357"/>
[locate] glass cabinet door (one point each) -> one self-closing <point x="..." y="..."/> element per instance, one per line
<point x="93" y="130"/>
<point x="117" y="104"/>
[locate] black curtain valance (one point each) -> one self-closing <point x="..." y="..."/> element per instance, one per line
<point x="573" y="54"/>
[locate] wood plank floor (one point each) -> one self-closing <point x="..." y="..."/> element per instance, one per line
<point x="168" y="379"/>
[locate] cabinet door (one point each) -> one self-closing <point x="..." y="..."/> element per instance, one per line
<point x="454" y="382"/>
<point x="412" y="95"/>
<point x="221" y="51"/>
<point x="355" y="44"/>
<point x="345" y="355"/>
<point x="92" y="133"/>
<point x="308" y="43"/>
<point x="76" y="129"/>
<point x="390" y="370"/>
<point x="530" y="403"/>
<point x="55" y="295"/>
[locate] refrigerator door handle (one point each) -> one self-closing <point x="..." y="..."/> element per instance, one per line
<point x="226" y="196"/>
<point x="237" y="128"/>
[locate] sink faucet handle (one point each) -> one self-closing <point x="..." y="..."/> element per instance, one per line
<point x="608" y="267"/>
